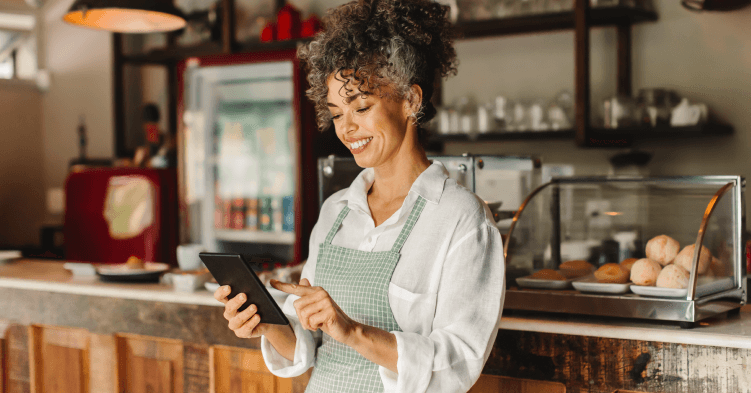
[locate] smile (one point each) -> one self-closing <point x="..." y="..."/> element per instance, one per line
<point x="360" y="144"/>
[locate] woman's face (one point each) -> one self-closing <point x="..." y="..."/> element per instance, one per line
<point x="372" y="126"/>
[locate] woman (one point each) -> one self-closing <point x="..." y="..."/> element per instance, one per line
<point x="403" y="287"/>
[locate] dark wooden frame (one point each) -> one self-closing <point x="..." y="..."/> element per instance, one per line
<point x="581" y="19"/>
<point x="306" y="209"/>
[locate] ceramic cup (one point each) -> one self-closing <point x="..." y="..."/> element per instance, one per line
<point x="187" y="256"/>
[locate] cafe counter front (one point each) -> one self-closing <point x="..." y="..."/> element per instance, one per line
<point x="79" y="334"/>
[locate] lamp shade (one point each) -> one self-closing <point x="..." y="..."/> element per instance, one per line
<point x="715" y="5"/>
<point x="126" y="16"/>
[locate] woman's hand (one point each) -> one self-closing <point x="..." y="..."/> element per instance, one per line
<point x="245" y="324"/>
<point x="317" y="310"/>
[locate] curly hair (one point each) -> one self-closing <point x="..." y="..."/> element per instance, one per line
<point x="373" y="43"/>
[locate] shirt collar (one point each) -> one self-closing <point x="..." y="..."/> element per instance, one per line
<point x="428" y="185"/>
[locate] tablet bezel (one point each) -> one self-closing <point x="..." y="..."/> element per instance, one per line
<point x="221" y="263"/>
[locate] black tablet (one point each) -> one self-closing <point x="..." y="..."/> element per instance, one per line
<point x="232" y="270"/>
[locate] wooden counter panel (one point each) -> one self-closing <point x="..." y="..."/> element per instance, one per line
<point x="105" y="315"/>
<point x="602" y="365"/>
<point x="59" y="360"/>
<point x="149" y="365"/>
<point x="17" y="346"/>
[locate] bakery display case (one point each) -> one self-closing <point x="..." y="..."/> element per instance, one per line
<point x="661" y="248"/>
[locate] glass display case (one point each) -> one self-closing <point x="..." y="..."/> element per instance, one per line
<point x="242" y="168"/>
<point x="686" y="233"/>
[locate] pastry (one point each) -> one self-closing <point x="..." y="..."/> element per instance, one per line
<point x="685" y="259"/>
<point x="673" y="276"/>
<point x="612" y="273"/>
<point x="134" y="263"/>
<point x="576" y="268"/>
<point x="547" y="274"/>
<point x="628" y="262"/>
<point x="662" y="249"/>
<point x="645" y="272"/>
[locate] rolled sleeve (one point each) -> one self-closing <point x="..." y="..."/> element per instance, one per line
<point x="468" y="312"/>
<point x="306" y="342"/>
<point x="305" y="348"/>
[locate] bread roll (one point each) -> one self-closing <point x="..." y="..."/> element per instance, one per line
<point x="628" y="262"/>
<point x="134" y="263"/>
<point x="576" y="268"/>
<point x="547" y="274"/>
<point x="612" y="273"/>
<point x="673" y="276"/>
<point x="645" y="272"/>
<point x="662" y="249"/>
<point x="685" y="259"/>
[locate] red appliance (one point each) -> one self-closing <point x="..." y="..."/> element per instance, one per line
<point x="87" y="230"/>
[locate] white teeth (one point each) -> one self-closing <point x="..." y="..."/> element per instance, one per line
<point x="360" y="143"/>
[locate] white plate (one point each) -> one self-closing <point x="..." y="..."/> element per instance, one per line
<point x="80" y="269"/>
<point x="528" y="282"/>
<point x="590" y="284"/>
<point x="122" y="269"/>
<point x="709" y="286"/>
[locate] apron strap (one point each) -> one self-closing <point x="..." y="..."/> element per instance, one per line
<point x="337" y="224"/>
<point x="411" y="220"/>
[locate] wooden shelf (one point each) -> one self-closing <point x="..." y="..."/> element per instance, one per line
<point x="502" y="136"/>
<point x="161" y="56"/>
<point x="246" y="236"/>
<point x="536" y="23"/>
<point x="610" y="16"/>
<point x="602" y="137"/>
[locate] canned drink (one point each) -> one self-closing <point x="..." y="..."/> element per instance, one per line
<point x="251" y="214"/>
<point x="288" y="212"/>
<point x="238" y="213"/>
<point x="265" y="216"/>
<point x="276" y="214"/>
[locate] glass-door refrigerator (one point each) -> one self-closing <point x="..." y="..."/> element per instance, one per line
<point x="246" y="162"/>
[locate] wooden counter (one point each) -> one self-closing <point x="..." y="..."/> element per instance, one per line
<point x="107" y="332"/>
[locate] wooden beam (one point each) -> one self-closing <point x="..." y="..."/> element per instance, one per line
<point x="582" y="80"/>
<point x="624" y="60"/>
<point x="118" y="93"/>
<point x="228" y="26"/>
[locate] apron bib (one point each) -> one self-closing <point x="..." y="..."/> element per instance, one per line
<point x="358" y="281"/>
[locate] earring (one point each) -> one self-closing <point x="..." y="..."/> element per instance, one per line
<point x="414" y="118"/>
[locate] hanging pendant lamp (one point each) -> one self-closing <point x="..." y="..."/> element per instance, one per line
<point x="126" y="16"/>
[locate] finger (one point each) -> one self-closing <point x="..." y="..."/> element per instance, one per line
<point x="242" y="317"/>
<point x="319" y="320"/>
<point x="221" y="293"/>
<point x="230" y="308"/>
<point x="247" y="330"/>
<point x="304" y="282"/>
<point x="309" y="311"/>
<point x="292" y="289"/>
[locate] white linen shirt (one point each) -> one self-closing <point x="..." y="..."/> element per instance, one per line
<point x="446" y="292"/>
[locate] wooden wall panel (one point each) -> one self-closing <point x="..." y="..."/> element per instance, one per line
<point x="242" y="370"/>
<point x="196" y="368"/>
<point x="149" y="364"/>
<point x="497" y="384"/>
<point x="603" y="365"/>
<point x="17" y="345"/>
<point x="59" y="360"/>
<point x="4" y="325"/>
<point x="102" y="363"/>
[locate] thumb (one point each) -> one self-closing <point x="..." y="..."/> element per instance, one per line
<point x="304" y="282"/>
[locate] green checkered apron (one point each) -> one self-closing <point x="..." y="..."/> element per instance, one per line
<point x="358" y="281"/>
